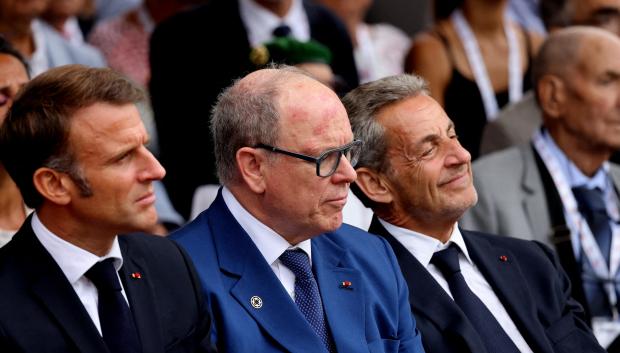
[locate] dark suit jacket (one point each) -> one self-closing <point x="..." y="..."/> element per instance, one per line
<point x="370" y="315"/>
<point x="194" y="55"/>
<point x="40" y="312"/>
<point x="531" y="285"/>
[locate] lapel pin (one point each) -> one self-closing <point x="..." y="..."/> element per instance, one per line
<point x="136" y="275"/>
<point x="256" y="302"/>
<point x="346" y="285"/>
<point x="503" y="258"/>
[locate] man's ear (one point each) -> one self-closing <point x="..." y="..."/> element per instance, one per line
<point x="53" y="185"/>
<point x="552" y="95"/>
<point x="251" y="164"/>
<point x="374" y="185"/>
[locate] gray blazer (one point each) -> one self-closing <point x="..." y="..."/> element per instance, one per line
<point x="511" y="196"/>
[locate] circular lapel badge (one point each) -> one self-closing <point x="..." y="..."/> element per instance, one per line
<point x="256" y="302"/>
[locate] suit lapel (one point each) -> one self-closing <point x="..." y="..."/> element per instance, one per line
<point x="277" y="314"/>
<point x="427" y="299"/>
<point x="140" y="297"/>
<point x="343" y="304"/>
<point x="534" y="203"/>
<point x="510" y="287"/>
<point x="52" y="289"/>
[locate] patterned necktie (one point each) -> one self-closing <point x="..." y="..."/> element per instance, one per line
<point x="592" y="207"/>
<point x="307" y="295"/>
<point x="491" y="333"/>
<point x="281" y="31"/>
<point x="117" y="326"/>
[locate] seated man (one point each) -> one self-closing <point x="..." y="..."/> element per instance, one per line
<point x="281" y="272"/>
<point x="74" y="144"/>
<point x="560" y="189"/>
<point x="469" y="291"/>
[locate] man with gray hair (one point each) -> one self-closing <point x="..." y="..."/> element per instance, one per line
<point x="559" y="189"/>
<point x="281" y="272"/>
<point x="469" y="291"/>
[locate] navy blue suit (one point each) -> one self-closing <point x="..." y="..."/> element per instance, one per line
<point x="40" y="311"/>
<point x="530" y="283"/>
<point x="371" y="315"/>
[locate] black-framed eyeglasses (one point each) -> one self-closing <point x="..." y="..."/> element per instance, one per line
<point x="328" y="161"/>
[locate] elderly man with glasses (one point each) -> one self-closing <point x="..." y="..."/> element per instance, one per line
<point x="280" y="270"/>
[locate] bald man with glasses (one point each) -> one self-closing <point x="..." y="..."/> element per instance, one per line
<point x="280" y="270"/>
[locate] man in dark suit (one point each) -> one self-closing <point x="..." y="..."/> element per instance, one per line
<point x="469" y="291"/>
<point x="196" y="54"/>
<point x="74" y="144"/>
<point x="559" y="189"/>
<point x="281" y="272"/>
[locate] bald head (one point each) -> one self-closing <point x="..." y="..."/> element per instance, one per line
<point x="247" y="113"/>
<point x="565" y="50"/>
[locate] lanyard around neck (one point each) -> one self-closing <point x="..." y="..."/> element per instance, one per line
<point x="576" y="222"/>
<point x="474" y="57"/>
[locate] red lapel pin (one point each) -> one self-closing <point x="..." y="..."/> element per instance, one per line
<point x="346" y="285"/>
<point x="503" y="258"/>
<point x="136" y="275"/>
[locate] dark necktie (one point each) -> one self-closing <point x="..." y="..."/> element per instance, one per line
<point x="491" y="333"/>
<point x="592" y="207"/>
<point x="307" y="295"/>
<point x="281" y="31"/>
<point x="117" y="326"/>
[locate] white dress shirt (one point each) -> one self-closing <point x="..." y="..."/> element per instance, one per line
<point x="270" y="244"/>
<point x="423" y="247"/>
<point x="74" y="263"/>
<point x="260" y="22"/>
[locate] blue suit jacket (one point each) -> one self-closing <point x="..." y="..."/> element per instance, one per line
<point x="531" y="285"/>
<point x="371" y="316"/>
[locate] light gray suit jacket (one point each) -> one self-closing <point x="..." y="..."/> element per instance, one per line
<point x="511" y="196"/>
<point x="513" y="126"/>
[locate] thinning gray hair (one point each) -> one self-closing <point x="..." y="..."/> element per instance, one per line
<point x="363" y="105"/>
<point x="246" y="115"/>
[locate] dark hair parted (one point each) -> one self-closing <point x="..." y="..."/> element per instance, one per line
<point x="35" y="133"/>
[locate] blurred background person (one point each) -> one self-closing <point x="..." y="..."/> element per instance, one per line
<point x="40" y="44"/>
<point x="13" y="76"/>
<point x="517" y="122"/>
<point x="476" y="60"/>
<point x="379" y="48"/>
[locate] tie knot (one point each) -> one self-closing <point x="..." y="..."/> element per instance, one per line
<point x="298" y="262"/>
<point x="447" y="260"/>
<point x="281" y="31"/>
<point x="590" y="200"/>
<point x="104" y="276"/>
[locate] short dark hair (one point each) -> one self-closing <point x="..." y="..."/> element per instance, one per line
<point x="35" y="133"/>
<point x="8" y="49"/>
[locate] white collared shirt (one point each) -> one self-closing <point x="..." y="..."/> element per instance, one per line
<point x="270" y="244"/>
<point x="423" y="247"/>
<point x="39" y="61"/>
<point x="74" y="262"/>
<point x="260" y="22"/>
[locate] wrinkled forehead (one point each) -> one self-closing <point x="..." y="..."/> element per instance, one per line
<point x="598" y="55"/>
<point x="415" y="116"/>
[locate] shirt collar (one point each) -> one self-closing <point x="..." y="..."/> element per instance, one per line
<point x="72" y="260"/>
<point x="260" y="22"/>
<point x="573" y="175"/>
<point x="270" y="244"/>
<point x="421" y="246"/>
